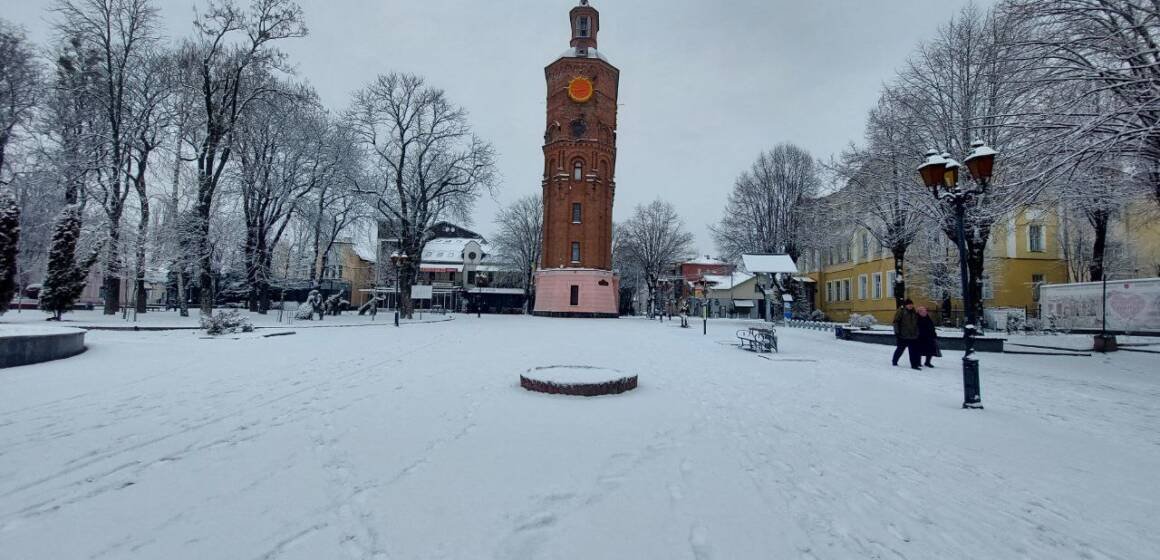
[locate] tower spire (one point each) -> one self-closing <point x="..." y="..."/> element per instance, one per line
<point x="585" y="24"/>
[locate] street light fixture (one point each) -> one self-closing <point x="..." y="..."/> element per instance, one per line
<point x="940" y="174"/>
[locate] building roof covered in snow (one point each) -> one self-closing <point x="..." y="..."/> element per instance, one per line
<point x="364" y="253"/>
<point x="720" y="281"/>
<point x="705" y="260"/>
<point x="452" y="250"/>
<point x="769" y="264"/>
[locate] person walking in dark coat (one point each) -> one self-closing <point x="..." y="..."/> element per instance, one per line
<point x="927" y="338"/>
<point x="906" y="334"/>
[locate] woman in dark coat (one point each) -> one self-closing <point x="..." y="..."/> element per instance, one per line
<point x="927" y="339"/>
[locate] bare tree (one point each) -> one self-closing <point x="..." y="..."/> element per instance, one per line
<point x="652" y="240"/>
<point x="763" y="214"/>
<point x="631" y="276"/>
<point x="1108" y="54"/>
<point x="520" y="238"/>
<point x="882" y="194"/>
<point x="331" y="204"/>
<point x="118" y="32"/>
<point x="20" y="87"/>
<point x="424" y="163"/>
<point x="229" y="65"/>
<point x="149" y="122"/>
<point x="276" y="148"/>
<point x="967" y="84"/>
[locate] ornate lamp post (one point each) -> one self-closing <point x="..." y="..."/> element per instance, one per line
<point x="398" y="260"/>
<point x="940" y="174"/>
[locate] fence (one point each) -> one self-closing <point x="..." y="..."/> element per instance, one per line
<point x="812" y="325"/>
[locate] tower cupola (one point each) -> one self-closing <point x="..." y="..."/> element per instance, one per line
<point x="585" y="24"/>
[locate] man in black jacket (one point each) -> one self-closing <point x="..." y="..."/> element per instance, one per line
<point x="906" y="334"/>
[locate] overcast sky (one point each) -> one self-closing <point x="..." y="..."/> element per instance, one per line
<point x="704" y="85"/>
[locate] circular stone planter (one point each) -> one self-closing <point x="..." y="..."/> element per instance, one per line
<point x="586" y="381"/>
<point x="20" y="345"/>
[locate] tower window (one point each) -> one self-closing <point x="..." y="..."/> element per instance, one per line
<point x="575" y="212"/>
<point x="578" y="170"/>
<point x="583" y="27"/>
<point x="575" y="251"/>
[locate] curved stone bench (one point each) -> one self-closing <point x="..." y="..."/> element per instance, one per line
<point x="586" y="381"/>
<point x="982" y="343"/>
<point x="20" y="345"/>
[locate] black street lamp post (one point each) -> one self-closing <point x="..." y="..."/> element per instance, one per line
<point x="940" y="173"/>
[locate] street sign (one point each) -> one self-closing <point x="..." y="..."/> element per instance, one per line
<point x="421" y="292"/>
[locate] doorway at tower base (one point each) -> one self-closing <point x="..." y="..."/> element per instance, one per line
<point x="577" y="292"/>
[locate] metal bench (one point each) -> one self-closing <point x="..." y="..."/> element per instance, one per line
<point x="758" y="339"/>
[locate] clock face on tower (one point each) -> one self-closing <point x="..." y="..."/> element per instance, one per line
<point x="580" y="89"/>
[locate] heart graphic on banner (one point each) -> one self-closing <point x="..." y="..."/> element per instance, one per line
<point x="1126" y="305"/>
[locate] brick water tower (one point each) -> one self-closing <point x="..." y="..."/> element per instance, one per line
<point x="575" y="278"/>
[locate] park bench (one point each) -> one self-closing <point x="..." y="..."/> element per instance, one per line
<point x="758" y="339"/>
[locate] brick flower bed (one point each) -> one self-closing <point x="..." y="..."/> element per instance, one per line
<point x="586" y="381"/>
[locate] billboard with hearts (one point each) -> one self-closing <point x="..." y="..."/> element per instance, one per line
<point x="1132" y="305"/>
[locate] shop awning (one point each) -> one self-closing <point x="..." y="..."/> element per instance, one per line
<point x="743" y="303"/>
<point x="440" y="267"/>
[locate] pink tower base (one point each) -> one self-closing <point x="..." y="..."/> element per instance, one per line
<point x="597" y="293"/>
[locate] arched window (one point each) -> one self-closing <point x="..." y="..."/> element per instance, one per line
<point x="578" y="170"/>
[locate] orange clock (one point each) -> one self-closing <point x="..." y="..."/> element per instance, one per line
<point x="580" y="89"/>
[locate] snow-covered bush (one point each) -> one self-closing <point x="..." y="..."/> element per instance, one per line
<point x="1015" y="323"/>
<point x="818" y="315"/>
<point x="226" y="322"/>
<point x="862" y="321"/>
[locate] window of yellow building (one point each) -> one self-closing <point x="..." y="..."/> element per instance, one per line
<point x="877" y="285"/>
<point x="1036" y="238"/>
<point x="862" y="280"/>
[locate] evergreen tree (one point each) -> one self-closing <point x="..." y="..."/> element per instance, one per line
<point x="66" y="278"/>
<point x="9" y="242"/>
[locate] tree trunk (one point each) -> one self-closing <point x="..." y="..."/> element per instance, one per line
<point x="112" y="272"/>
<point x="205" y="264"/>
<point x="182" y="304"/>
<point x="899" y="280"/>
<point x="142" y="231"/>
<point x="253" y="266"/>
<point x="179" y="260"/>
<point x="264" y="263"/>
<point x="407" y="274"/>
<point x="1099" y="222"/>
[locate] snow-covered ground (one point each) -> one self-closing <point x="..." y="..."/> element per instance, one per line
<point x="418" y="443"/>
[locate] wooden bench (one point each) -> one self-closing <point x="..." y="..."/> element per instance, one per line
<point x="758" y="339"/>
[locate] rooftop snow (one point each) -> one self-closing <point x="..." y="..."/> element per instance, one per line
<point x="573" y="53"/>
<point x="720" y="281"/>
<point x="769" y="263"/>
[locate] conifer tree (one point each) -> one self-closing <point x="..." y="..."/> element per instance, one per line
<point x="9" y="243"/>
<point x="66" y="278"/>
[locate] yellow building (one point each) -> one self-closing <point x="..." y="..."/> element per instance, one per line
<point x="349" y="262"/>
<point x="856" y="274"/>
<point x="1137" y="234"/>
